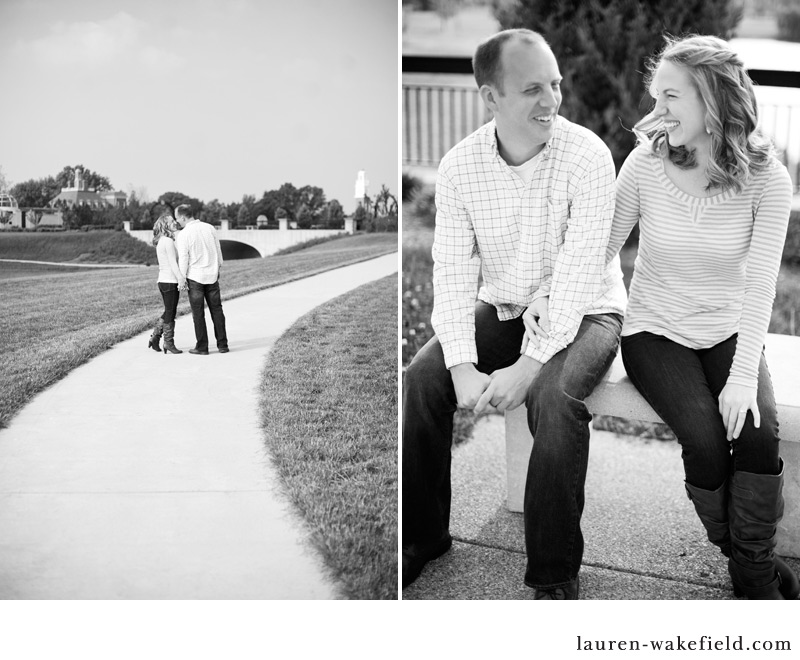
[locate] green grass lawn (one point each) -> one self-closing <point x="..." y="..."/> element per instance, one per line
<point x="329" y="412"/>
<point x="52" y="322"/>
<point x="95" y="247"/>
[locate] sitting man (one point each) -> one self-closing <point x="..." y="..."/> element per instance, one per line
<point x="527" y="200"/>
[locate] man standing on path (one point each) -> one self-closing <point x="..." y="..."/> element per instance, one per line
<point x="200" y="260"/>
<point x="527" y="200"/>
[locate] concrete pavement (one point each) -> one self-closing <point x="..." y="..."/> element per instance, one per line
<point x="643" y="539"/>
<point x="144" y="476"/>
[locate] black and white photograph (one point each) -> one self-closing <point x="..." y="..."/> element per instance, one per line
<point x="198" y="300"/>
<point x="600" y="294"/>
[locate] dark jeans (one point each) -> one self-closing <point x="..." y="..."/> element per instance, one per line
<point x="683" y="386"/>
<point x="559" y="422"/>
<point x="170" y="295"/>
<point x="210" y="293"/>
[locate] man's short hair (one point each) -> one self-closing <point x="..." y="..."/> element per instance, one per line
<point x="183" y="211"/>
<point x="487" y="63"/>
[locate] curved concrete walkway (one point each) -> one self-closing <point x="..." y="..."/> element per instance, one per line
<point x="142" y="475"/>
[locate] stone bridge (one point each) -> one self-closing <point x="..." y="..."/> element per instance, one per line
<point x="248" y="243"/>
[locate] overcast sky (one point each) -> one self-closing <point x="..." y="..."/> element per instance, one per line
<point x="211" y="98"/>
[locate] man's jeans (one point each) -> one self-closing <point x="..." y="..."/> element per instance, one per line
<point x="170" y="295"/>
<point x="683" y="386"/>
<point x="557" y="417"/>
<point x="210" y="293"/>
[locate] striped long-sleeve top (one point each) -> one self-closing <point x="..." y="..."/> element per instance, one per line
<point x="707" y="267"/>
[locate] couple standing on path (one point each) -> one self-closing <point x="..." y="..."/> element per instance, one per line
<point x="529" y="201"/>
<point x="189" y="256"/>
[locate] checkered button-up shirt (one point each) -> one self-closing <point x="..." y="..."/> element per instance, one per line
<point x="199" y="252"/>
<point x="546" y="237"/>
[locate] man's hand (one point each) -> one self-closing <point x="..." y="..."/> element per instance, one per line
<point x="537" y="322"/>
<point x="469" y="384"/>
<point x="182" y="284"/>
<point x="734" y="402"/>
<point x="508" y="386"/>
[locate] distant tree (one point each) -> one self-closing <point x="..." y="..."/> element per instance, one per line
<point x="213" y="211"/>
<point x="312" y="199"/>
<point x="305" y="217"/>
<point x="361" y="217"/>
<point x="267" y="205"/>
<point x="334" y="215"/>
<point x="243" y="218"/>
<point x="232" y="211"/>
<point x="385" y="203"/>
<point x="176" y="198"/>
<point x="35" y="192"/>
<point x="287" y="197"/>
<point x="4" y="184"/>
<point x="66" y="178"/>
<point x="602" y="46"/>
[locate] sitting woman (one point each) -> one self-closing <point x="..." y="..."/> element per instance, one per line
<point x="170" y="281"/>
<point x="713" y="207"/>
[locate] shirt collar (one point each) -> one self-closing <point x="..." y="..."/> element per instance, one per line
<point x="492" y="141"/>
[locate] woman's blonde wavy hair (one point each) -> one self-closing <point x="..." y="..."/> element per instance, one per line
<point x="738" y="148"/>
<point x="166" y="225"/>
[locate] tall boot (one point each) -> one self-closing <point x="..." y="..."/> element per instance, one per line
<point x="755" y="509"/>
<point x="156" y="336"/>
<point x="169" y="338"/>
<point x="712" y="509"/>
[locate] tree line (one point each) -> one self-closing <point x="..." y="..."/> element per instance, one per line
<point x="307" y="206"/>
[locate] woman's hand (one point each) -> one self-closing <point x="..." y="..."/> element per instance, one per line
<point x="182" y="284"/>
<point x="537" y="322"/>
<point x="734" y="402"/>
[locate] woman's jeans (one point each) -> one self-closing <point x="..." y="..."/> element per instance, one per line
<point x="170" y="294"/>
<point x="683" y="385"/>
<point x="559" y="422"/>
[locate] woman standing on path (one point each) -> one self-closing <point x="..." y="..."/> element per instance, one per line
<point x="713" y="205"/>
<point x="170" y="281"/>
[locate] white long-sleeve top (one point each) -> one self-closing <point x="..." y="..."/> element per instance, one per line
<point x="199" y="252"/>
<point x="707" y="267"/>
<point x="543" y="237"/>
<point x="167" y="255"/>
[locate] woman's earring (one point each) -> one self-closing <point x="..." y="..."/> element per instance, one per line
<point x="708" y="130"/>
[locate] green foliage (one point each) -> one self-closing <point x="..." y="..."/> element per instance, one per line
<point x="422" y="206"/>
<point x="66" y="178"/>
<point x="173" y="199"/>
<point x="410" y="186"/>
<point x="333" y="215"/>
<point x="789" y="24"/>
<point x="35" y="192"/>
<point x="602" y="47"/>
<point x="98" y="247"/>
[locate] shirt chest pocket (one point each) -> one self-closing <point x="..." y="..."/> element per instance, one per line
<point x="557" y="218"/>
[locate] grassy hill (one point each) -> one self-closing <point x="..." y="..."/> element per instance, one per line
<point x="95" y="247"/>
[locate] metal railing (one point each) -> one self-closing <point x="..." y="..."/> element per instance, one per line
<point x="436" y="116"/>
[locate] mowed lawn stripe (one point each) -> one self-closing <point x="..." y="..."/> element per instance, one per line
<point x="329" y="412"/>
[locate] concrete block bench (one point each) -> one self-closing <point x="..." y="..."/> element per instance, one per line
<point x="617" y="396"/>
